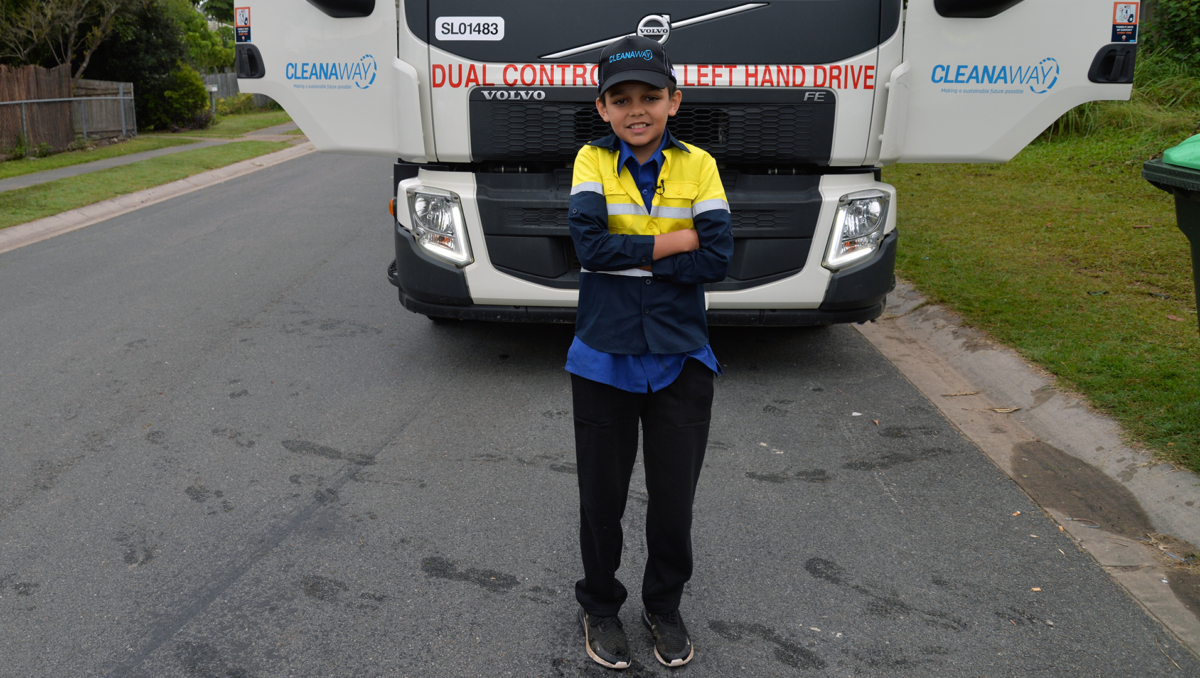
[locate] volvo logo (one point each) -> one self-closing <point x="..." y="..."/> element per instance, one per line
<point x="514" y="95"/>
<point x="656" y="27"/>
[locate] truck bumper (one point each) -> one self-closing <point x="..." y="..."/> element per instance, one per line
<point x="440" y="290"/>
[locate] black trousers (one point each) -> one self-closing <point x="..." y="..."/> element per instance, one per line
<point x="675" y="424"/>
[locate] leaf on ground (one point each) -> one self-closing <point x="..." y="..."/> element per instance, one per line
<point x="1004" y="410"/>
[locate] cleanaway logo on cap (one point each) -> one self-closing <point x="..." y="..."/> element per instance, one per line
<point x="621" y="56"/>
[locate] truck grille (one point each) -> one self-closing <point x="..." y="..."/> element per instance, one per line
<point x="775" y="131"/>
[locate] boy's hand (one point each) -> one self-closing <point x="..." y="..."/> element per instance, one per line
<point x="675" y="243"/>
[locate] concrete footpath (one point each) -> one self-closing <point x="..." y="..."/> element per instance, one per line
<point x="276" y="133"/>
<point x="1135" y="515"/>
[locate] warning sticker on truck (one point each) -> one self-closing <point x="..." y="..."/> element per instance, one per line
<point x="241" y="24"/>
<point x="1125" y="17"/>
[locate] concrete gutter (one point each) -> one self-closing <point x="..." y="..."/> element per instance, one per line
<point x="976" y="383"/>
<point x="21" y="235"/>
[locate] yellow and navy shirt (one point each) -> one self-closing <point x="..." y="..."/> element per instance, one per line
<point x="624" y="310"/>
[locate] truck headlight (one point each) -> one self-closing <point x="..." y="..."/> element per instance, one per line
<point x="439" y="224"/>
<point x="857" y="228"/>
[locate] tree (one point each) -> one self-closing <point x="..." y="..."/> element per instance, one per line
<point x="24" y="31"/>
<point x="219" y="10"/>
<point x="145" y="49"/>
<point x="208" y="50"/>
<point x="67" y="31"/>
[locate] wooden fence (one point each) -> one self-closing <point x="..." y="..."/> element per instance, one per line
<point x="39" y="110"/>
<point x="111" y="116"/>
<point x="30" y="125"/>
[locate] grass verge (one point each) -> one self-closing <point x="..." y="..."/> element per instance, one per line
<point x="1067" y="255"/>
<point x="43" y="200"/>
<point x="234" y="126"/>
<point x="23" y="166"/>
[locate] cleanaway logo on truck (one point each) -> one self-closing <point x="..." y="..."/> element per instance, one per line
<point x="1039" y="77"/>
<point x="332" y="74"/>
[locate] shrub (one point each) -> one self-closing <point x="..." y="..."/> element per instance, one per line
<point x="1165" y="103"/>
<point x="184" y="96"/>
<point x="238" y="103"/>
<point x="1175" y="25"/>
<point x="145" y="49"/>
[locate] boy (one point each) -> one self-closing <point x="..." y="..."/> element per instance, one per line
<point x="651" y="225"/>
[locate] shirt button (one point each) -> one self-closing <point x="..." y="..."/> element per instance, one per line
<point x="647" y="281"/>
<point x="647" y="311"/>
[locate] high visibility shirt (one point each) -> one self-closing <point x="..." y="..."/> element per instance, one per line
<point x="649" y="371"/>
<point x="625" y="310"/>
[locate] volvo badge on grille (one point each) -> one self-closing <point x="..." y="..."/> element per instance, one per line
<point x="513" y="95"/>
<point x="656" y="27"/>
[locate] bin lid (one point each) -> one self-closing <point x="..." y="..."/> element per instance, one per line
<point x="1186" y="154"/>
<point x="1171" y="177"/>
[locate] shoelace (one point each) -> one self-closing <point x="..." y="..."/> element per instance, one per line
<point x="670" y="619"/>
<point x="606" y="624"/>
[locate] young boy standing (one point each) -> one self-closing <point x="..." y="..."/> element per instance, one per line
<point x="651" y="225"/>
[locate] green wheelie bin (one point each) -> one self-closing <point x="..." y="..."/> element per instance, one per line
<point x="1178" y="173"/>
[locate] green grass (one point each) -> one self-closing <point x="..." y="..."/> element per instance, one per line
<point x="16" y="168"/>
<point x="1044" y="254"/>
<point x="35" y="202"/>
<point x="1067" y="255"/>
<point x="234" y="126"/>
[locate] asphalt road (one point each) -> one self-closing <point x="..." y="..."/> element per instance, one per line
<point x="228" y="451"/>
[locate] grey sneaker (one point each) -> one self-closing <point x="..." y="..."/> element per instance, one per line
<point x="672" y="646"/>
<point x="605" y="640"/>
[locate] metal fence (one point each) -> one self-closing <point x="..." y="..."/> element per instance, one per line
<point x="58" y="123"/>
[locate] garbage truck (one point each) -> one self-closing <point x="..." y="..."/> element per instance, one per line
<point x="485" y="104"/>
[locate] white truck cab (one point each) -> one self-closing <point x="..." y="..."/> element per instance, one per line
<point x="485" y="104"/>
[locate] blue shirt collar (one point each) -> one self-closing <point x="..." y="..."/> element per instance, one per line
<point x="627" y="152"/>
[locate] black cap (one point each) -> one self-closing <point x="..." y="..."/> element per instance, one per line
<point x="635" y="58"/>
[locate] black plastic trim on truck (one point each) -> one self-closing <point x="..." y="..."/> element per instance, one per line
<point x="867" y="283"/>
<point x="1113" y="64"/>
<point x="345" y="9"/>
<point x="799" y="317"/>
<point x="782" y="32"/>
<point x="524" y="218"/>
<point x="791" y="126"/>
<point x="249" y="61"/>
<point x="973" y="9"/>
<point x="421" y="277"/>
